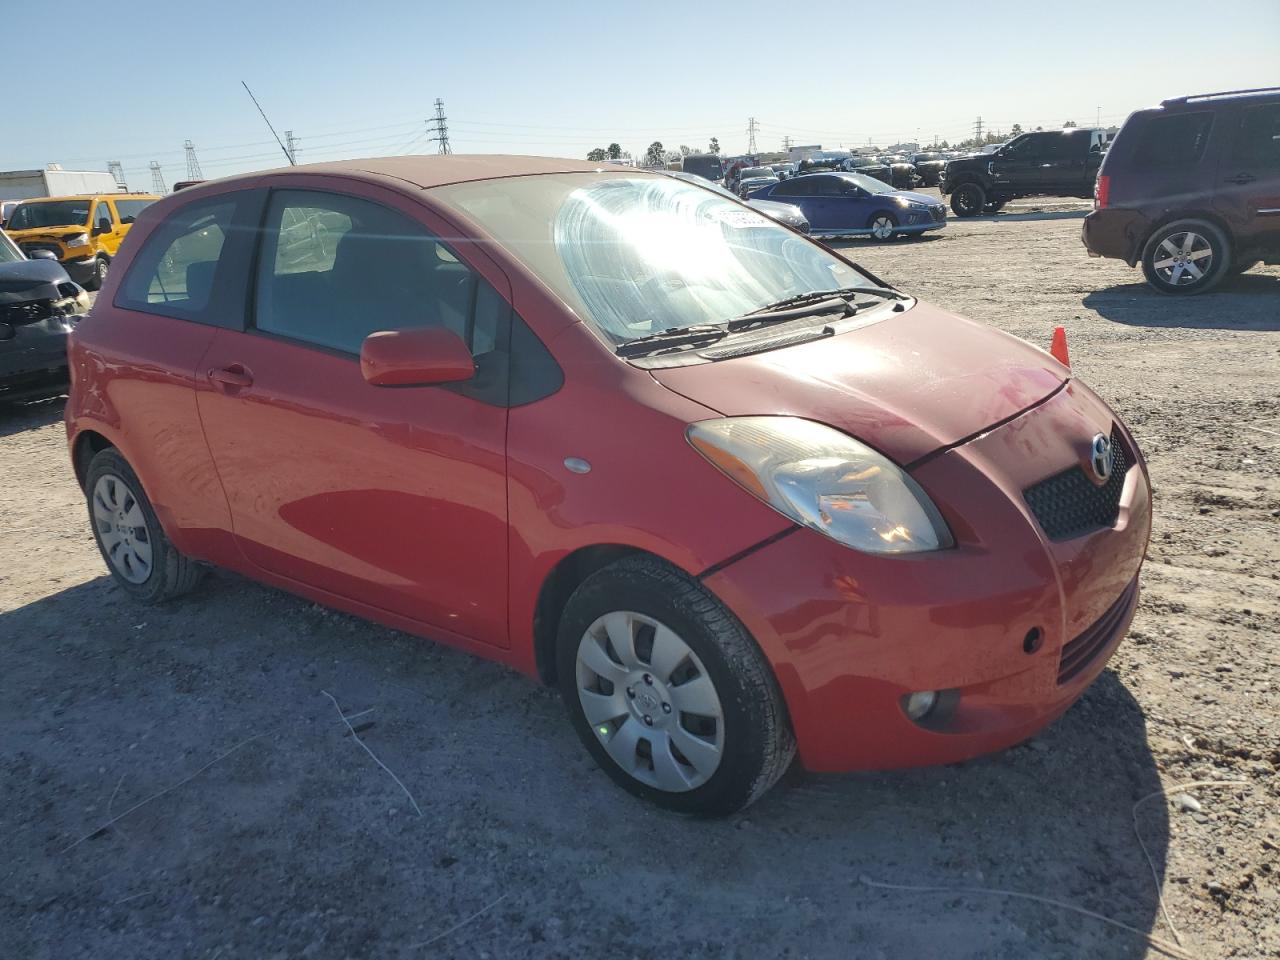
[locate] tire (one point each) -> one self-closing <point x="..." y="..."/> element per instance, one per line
<point x="995" y="206"/>
<point x="968" y="199"/>
<point x="142" y="560"/>
<point x="99" y="276"/>
<point x="680" y="648"/>
<point x="882" y="225"/>
<point x="1186" y="257"/>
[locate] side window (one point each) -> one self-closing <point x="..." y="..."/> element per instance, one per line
<point x="1028" y="148"/>
<point x="795" y="187"/>
<point x="174" y="272"/>
<point x="128" y="210"/>
<point x="1063" y="146"/>
<point x="334" y="269"/>
<point x="828" y="186"/>
<point x="1173" y="140"/>
<point x="102" y="219"/>
<point x="1258" y="142"/>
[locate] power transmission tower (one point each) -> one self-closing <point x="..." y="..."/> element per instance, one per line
<point x="786" y="144"/>
<point x="157" y="179"/>
<point x="193" y="165"/>
<point x="977" y="130"/>
<point x="291" y="146"/>
<point x="116" y="169"/>
<point x="752" y="127"/>
<point x="441" y="128"/>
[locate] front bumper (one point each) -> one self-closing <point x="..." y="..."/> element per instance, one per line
<point x="37" y="353"/>
<point x="81" y="271"/>
<point x="1116" y="233"/>
<point x="850" y="635"/>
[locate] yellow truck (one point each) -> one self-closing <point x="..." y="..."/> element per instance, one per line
<point x="83" y="232"/>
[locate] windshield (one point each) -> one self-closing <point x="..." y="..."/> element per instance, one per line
<point x="9" y="253"/>
<point x="637" y="255"/>
<point x="869" y="184"/>
<point x="704" y="166"/>
<point x="756" y="172"/>
<point x="55" y="213"/>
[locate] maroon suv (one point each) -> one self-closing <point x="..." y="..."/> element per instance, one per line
<point x="1191" y="188"/>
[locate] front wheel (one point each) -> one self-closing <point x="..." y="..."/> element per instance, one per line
<point x="99" y="275"/>
<point x="968" y="199"/>
<point x="668" y="692"/>
<point x="1186" y="256"/>
<point x="995" y="206"/>
<point x="882" y="225"/>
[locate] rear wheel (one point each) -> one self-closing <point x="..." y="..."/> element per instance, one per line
<point x="882" y="225"/>
<point x="668" y="692"/>
<point x="142" y="560"/>
<point x="1186" y="256"/>
<point x="967" y="200"/>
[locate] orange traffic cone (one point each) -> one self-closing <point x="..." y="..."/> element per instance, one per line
<point x="1058" y="350"/>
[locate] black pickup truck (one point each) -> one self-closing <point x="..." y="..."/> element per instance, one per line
<point x="1059" y="163"/>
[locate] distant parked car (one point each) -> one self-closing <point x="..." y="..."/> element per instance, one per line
<point x="38" y="306"/>
<point x="1056" y="163"/>
<point x="83" y="232"/>
<point x="929" y="167"/>
<point x="868" y="167"/>
<point x="6" y="210"/>
<point x="841" y="204"/>
<point x="784" y="213"/>
<point x="902" y="172"/>
<point x="749" y="185"/>
<point x="783" y="170"/>
<point x="1191" y="190"/>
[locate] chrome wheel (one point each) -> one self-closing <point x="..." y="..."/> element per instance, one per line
<point x="882" y="227"/>
<point x="122" y="528"/>
<point x="650" y="701"/>
<point x="1183" y="259"/>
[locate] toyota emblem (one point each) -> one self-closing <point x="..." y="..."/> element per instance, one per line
<point x="1101" y="457"/>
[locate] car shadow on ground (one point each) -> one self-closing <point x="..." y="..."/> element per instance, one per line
<point x="1250" y="301"/>
<point x="1013" y="216"/>
<point x="18" y="416"/>
<point x="295" y="841"/>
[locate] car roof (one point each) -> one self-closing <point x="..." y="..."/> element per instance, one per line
<point x="1224" y="95"/>
<point x="93" y="196"/>
<point x="429" y="171"/>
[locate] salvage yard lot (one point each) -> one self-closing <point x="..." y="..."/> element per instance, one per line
<point x="297" y="844"/>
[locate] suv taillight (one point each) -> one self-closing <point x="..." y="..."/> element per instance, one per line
<point x="1101" y="192"/>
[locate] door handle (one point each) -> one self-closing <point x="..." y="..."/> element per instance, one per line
<point x="1242" y="178"/>
<point x="232" y="377"/>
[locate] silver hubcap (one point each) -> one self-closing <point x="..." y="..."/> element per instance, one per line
<point x="882" y="228"/>
<point x="122" y="528"/>
<point x="1183" y="258"/>
<point x="650" y="701"/>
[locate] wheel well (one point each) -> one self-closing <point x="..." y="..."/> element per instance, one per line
<point x="87" y="446"/>
<point x="565" y="578"/>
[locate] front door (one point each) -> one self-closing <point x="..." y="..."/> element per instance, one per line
<point x="1018" y="165"/>
<point x="391" y="496"/>
<point x="1249" y="189"/>
<point x="102" y="224"/>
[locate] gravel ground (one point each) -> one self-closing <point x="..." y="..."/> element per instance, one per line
<point x="296" y="844"/>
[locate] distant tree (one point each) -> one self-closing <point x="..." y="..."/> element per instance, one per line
<point x="944" y="145"/>
<point x="684" y="151"/>
<point x="1015" y="130"/>
<point x="1069" y="123"/>
<point x="714" y="147"/>
<point x="656" y="155"/>
<point x="1039" y="129"/>
<point x="598" y="154"/>
<point x="615" y="152"/>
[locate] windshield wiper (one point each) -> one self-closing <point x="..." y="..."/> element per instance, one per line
<point x="824" y="307"/>
<point x="671" y="337"/>
<point x="827" y="294"/>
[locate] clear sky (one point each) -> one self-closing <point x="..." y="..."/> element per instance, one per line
<point x="136" y="78"/>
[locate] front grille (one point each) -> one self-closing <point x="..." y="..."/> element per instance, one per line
<point x="31" y="311"/>
<point x="1070" y="503"/>
<point x="1084" y="649"/>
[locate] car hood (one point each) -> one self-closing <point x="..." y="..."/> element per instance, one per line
<point x="776" y="209"/>
<point x="976" y="160"/>
<point x="30" y="279"/>
<point x="914" y="197"/>
<point x="908" y="385"/>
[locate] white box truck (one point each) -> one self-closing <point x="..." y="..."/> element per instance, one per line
<point x="53" y="181"/>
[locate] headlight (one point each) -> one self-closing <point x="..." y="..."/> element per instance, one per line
<point x="79" y="240"/>
<point x="826" y="480"/>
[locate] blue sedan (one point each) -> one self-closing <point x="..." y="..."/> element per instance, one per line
<point x="850" y="204"/>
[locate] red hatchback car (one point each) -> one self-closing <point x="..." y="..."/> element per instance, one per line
<point x="731" y="493"/>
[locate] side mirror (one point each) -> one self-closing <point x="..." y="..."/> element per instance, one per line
<point x="417" y="357"/>
<point x="42" y="255"/>
<point x="104" y="226"/>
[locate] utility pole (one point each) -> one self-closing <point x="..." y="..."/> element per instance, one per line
<point x="786" y="144"/>
<point x="291" y="146"/>
<point x="157" y="179"/>
<point x="116" y="169"/>
<point x="442" y="128"/>
<point x="752" y="127"/>
<point x="193" y="165"/>
<point x="977" y="130"/>
<point x="1098" y="122"/>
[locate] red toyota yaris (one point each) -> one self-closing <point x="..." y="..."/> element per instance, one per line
<point x="731" y="493"/>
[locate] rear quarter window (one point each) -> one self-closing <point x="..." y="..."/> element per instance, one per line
<point x="1173" y="140"/>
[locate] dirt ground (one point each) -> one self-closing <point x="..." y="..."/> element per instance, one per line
<point x="296" y="844"/>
